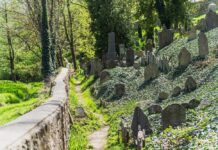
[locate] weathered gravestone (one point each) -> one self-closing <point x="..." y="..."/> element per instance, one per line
<point x="95" y="67"/>
<point x="203" y="45"/>
<point x="190" y="84"/>
<point x="151" y="72"/>
<point x="104" y="76"/>
<point x="163" y="65"/>
<point x="122" y="51"/>
<point x="154" y="109"/>
<point x="130" y="57"/>
<point x="119" y="90"/>
<point x="163" y="96"/>
<point x="140" y="121"/>
<point x="165" y="37"/>
<point x="211" y="20"/>
<point x="173" y="115"/>
<point x="184" y="58"/>
<point x="176" y="91"/>
<point x="150" y="58"/>
<point x="111" y="54"/>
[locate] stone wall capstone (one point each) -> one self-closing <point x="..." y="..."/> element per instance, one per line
<point x="44" y="128"/>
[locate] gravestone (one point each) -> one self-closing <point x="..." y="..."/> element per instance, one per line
<point x="143" y="61"/>
<point x="184" y="57"/>
<point x="163" y="96"/>
<point x="130" y="58"/>
<point x="150" y="58"/>
<point x="105" y="75"/>
<point x="154" y="109"/>
<point x="140" y="119"/>
<point x="163" y="65"/>
<point x="95" y="67"/>
<point x="194" y="103"/>
<point x="211" y="20"/>
<point x="151" y="72"/>
<point x="165" y="37"/>
<point x="125" y="133"/>
<point x="111" y="54"/>
<point x="119" y="90"/>
<point x="203" y="45"/>
<point x="176" y="91"/>
<point x="173" y="115"/>
<point x="122" y="51"/>
<point x="190" y="84"/>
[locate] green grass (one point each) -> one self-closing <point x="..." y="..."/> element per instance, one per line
<point x="81" y="128"/>
<point x="17" y="98"/>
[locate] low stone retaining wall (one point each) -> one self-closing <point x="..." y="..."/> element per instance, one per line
<point x="46" y="127"/>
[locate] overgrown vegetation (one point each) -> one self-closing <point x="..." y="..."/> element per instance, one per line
<point x="82" y="127"/>
<point x="18" y="98"/>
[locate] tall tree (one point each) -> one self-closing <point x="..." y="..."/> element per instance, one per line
<point x="46" y="68"/>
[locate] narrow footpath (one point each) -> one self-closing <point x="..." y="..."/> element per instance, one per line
<point x="97" y="139"/>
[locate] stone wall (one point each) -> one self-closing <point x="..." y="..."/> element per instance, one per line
<point x="44" y="128"/>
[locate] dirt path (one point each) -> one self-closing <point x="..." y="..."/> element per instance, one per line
<point x="97" y="139"/>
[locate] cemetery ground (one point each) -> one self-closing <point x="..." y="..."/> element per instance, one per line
<point x="18" y="98"/>
<point x="200" y="129"/>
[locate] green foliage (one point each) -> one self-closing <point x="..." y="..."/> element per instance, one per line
<point x="110" y="16"/>
<point x="18" y="98"/>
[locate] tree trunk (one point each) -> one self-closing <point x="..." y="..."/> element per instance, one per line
<point x="46" y="68"/>
<point x="10" y="46"/>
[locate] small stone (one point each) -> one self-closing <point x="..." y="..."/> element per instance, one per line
<point x="205" y="103"/>
<point x="176" y="91"/>
<point x="163" y="96"/>
<point x="80" y="112"/>
<point x="154" y="109"/>
<point x="190" y="84"/>
<point x="173" y="115"/>
<point x="119" y="90"/>
<point x="194" y="103"/>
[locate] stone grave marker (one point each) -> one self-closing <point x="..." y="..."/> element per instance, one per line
<point x="203" y="45"/>
<point x="130" y="57"/>
<point x="154" y="109"/>
<point x="151" y="72"/>
<point x="190" y="84"/>
<point x="140" y="121"/>
<point x="165" y="37"/>
<point x="173" y="115"/>
<point x="184" y="57"/>
<point x="111" y="54"/>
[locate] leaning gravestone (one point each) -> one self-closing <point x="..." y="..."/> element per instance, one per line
<point x="190" y="84"/>
<point x="163" y="65"/>
<point x="211" y="20"/>
<point x="140" y="119"/>
<point x="130" y="57"/>
<point x="151" y="72"/>
<point x="184" y="58"/>
<point x="203" y="45"/>
<point x="165" y="37"/>
<point x="173" y="115"/>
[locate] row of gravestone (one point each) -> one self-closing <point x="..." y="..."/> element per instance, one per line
<point x="190" y="85"/>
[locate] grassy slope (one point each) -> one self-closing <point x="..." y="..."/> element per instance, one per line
<point x="201" y="124"/>
<point x="81" y="128"/>
<point x="18" y="98"/>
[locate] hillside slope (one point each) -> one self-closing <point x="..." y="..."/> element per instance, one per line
<point x="201" y="127"/>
